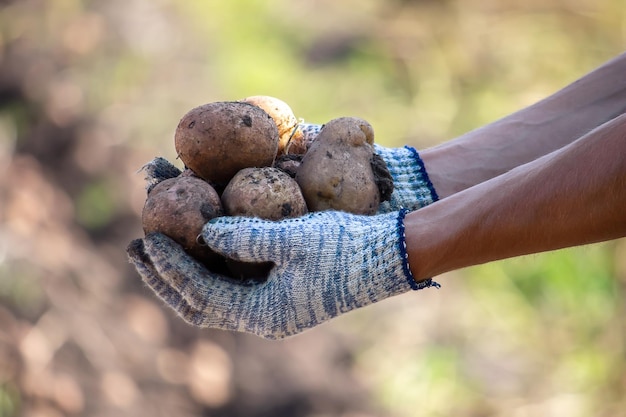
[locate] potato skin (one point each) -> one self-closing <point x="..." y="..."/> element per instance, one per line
<point x="218" y="139"/>
<point x="336" y="172"/>
<point x="179" y="207"/>
<point x="267" y="193"/>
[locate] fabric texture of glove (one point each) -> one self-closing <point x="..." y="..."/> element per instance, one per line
<point x="325" y="264"/>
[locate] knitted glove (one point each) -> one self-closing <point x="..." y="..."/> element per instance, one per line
<point x="325" y="264"/>
<point x="412" y="187"/>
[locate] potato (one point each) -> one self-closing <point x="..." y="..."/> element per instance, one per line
<point x="283" y="116"/>
<point x="179" y="207"/>
<point x="218" y="139"/>
<point x="336" y="172"/>
<point x="267" y="193"/>
<point x="288" y="163"/>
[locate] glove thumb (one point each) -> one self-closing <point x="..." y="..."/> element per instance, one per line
<point x="247" y="239"/>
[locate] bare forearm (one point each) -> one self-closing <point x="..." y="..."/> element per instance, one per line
<point x="573" y="196"/>
<point x="529" y="133"/>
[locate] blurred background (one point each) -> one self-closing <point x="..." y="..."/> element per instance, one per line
<point x="91" y="90"/>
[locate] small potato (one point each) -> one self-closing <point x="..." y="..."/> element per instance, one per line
<point x="295" y="137"/>
<point x="267" y="193"/>
<point x="288" y="163"/>
<point x="179" y="207"/>
<point x="336" y="172"/>
<point x="218" y="139"/>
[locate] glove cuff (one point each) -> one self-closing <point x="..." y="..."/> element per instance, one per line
<point x="405" y="258"/>
<point x="412" y="186"/>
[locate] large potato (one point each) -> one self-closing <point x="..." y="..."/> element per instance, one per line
<point x="218" y="139"/>
<point x="336" y="172"/>
<point x="179" y="207"/>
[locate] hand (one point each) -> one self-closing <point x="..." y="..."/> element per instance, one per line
<point x="325" y="264"/>
<point x="412" y="187"/>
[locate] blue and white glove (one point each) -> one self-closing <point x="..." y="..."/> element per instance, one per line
<point x="325" y="264"/>
<point x="412" y="187"/>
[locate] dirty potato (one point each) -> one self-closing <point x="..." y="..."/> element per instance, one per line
<point x="267" y="193"/>
<point x="336" y="173"/>
<point x="218" y="139"/>
<point x="179" y="207"/>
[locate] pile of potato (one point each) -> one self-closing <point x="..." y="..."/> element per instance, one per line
<point x="251" y="158"/>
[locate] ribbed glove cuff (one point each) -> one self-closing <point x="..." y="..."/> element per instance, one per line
<point x="405" y="258"/>
<point x="412" y="187"/>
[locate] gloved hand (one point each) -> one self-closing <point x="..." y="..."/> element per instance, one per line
<point x="325" y="264"/>
<point x="412" y="187"/>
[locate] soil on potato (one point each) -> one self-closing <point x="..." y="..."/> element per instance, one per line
<point x="267" y="193"/>
<point x="179" y="208"/>
<point x="289" y="163"/>
<point x="217" y="140"/>
<point x="382" y="177"/>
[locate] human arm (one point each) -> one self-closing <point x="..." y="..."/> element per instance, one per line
<point x="573" y="196"/>
<point x="421" y="178"/>
<point x="530" y="133"/>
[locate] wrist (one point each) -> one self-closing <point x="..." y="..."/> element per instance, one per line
<point x="415" y="284"/>
<point x="430" y="238"/>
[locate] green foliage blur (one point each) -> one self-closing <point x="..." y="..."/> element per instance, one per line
<point x="91" y="90"/>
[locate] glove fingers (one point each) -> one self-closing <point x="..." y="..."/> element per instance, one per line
<point x="199" y="296"/>
<point x="143" y="264"/>
<point x="147" y="271"/>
